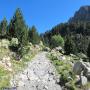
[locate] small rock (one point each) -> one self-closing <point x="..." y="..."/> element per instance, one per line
<point x="61" y="57"/>
<point x="46" y="87"/>
<point x="46" y="49"/>
<point x="59" y="49"/>
<point x="9" y="64"/>
<point x="83" y="80"/>
<point x="20" y="83"/>
<point x="77" y="78"/>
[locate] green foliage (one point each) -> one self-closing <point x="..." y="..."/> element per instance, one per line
<point x="4" y="78"/>
<point x="80" y="42"/>
<point x="80" y="33"/>
<point x="34" y="37"/>
<point x="14" y="45"/>
<point x="64" y="68"/>
<point x="14" y="42"/>
<point x="88" y="51"/>
<point x="24" y="50"/>
<point x="56" y="41"/>
<point x="69" y="46"/>
<point x="18" y="29"/>
<point x="3" y="28"/>
<point x="27" y="55"/>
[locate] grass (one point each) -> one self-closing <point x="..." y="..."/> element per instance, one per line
<point x="64" y="69"/>
<point x="4" y="74"/>
<point x="4" y="52"/>
<point x="86" y="87"/>
<point x="4" y="78"/>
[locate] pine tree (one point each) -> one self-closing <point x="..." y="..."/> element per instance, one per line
<point x="88" y="51"/>
<point x="11" y="30"/>
<point x="34" y="36"/>
<point x="69" y="46"/>
<point x="17" y="28"/>
<point x="24" y="38"/>
<point x="3" y="28"/>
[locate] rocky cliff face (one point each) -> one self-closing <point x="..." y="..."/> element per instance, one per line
<point x="82" y="15"/>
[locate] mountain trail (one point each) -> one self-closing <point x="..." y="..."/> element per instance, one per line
<point x="40" y="74"/>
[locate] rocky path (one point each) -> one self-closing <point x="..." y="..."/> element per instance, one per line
<point x="39" y="75"/>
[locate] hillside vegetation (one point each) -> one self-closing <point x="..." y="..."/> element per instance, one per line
<point x="67" y="46"/>
<point x="77" y="29"/>
<point x="17" y="47"/>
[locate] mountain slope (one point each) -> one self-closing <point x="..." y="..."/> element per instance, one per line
<point x="83" y="14"/>
<point x="78" y="28"/>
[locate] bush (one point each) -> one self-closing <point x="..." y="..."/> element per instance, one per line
<point x="14" y="45"/>
<point x="56" y="41"/>
<point x="14" y="42"/>
<point x="23" y="50"/>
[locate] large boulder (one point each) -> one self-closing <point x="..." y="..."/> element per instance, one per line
<point x="82" y="66"/>
<point x="87" y="69"/>
<point x="78" y="67"/>
<point x="81" y="80"/>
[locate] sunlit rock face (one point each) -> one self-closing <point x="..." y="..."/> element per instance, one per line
<point x="82" y="15"/>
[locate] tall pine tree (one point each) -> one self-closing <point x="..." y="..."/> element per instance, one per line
<point x="3" y="28"/>
<point x="18" y="29"/>
<point x="88" y="51"/>
<point x="34" y="36"/>
<point x="69" y="46"/>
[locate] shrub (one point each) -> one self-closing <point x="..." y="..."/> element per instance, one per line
<point x="14" y="42"/>
<point x="14" y="45"/>
<point x="56" y="41"/>
<point x="23" y="50"/>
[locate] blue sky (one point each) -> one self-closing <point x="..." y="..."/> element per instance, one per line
<point x="44" y="14"/>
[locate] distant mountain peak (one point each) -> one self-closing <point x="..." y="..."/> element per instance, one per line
<point x="85" y="7"/>
<point x="83" y="15"/>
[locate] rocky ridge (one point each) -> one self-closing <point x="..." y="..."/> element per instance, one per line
<point x="83" y="14"/>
